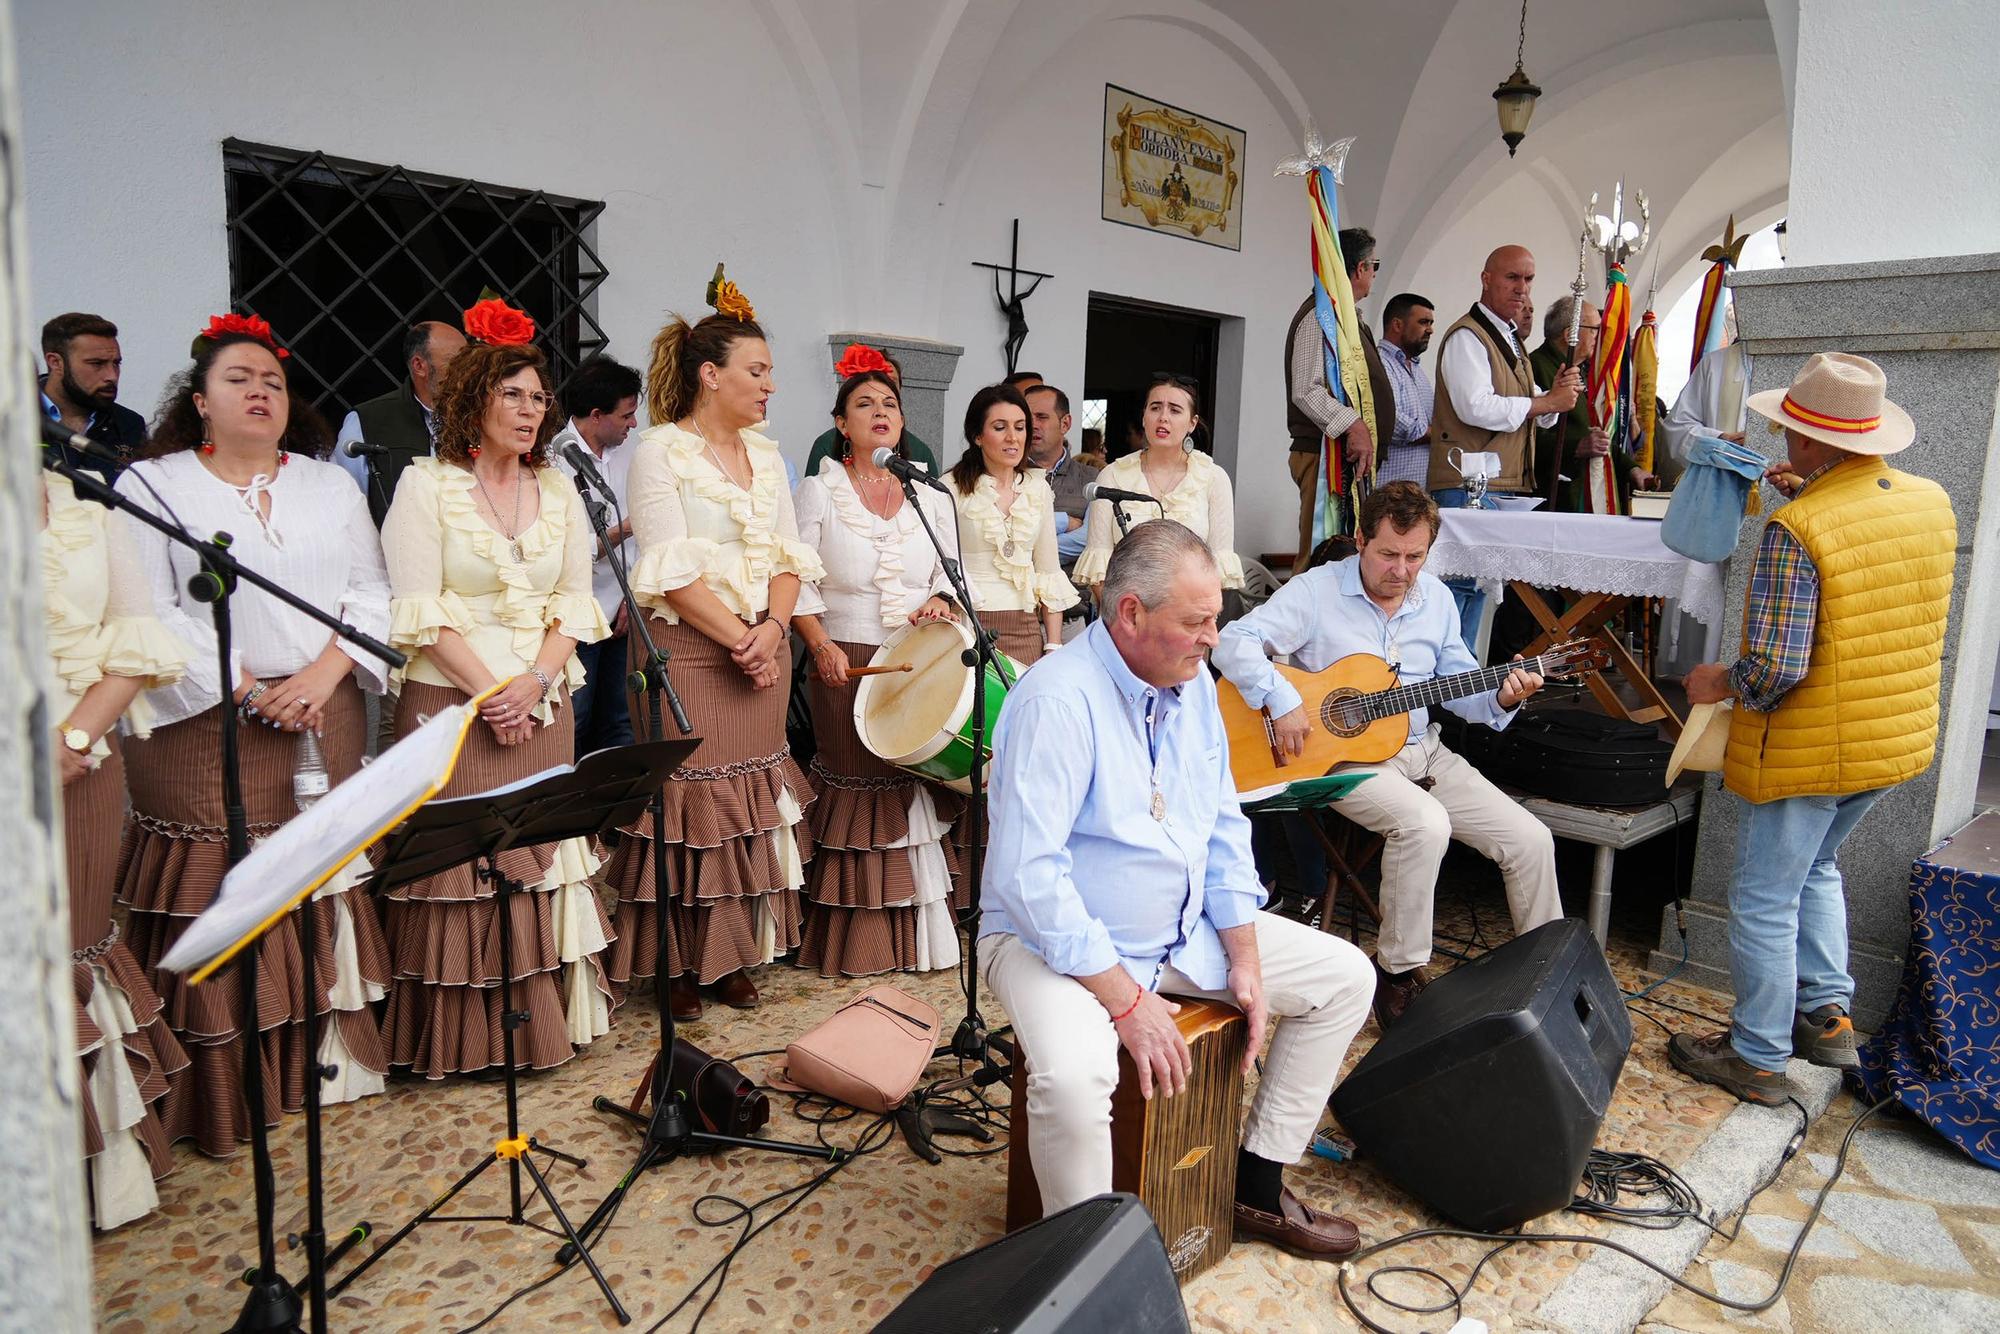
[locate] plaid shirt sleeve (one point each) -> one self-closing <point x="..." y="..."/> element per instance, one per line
<point x="1784" y="604"/>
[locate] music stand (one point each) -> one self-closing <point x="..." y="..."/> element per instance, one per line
<point x="604" y="790"/>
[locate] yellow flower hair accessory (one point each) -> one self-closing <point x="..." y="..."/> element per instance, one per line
<point x="728" y="299"/>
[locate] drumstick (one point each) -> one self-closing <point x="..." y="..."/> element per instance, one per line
<point x="879" y="671"/>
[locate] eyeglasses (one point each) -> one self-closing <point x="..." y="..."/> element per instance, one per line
<point x="1589" y="326"/>
<point x="1372" y="265"/>
<point x="514" y="396"/>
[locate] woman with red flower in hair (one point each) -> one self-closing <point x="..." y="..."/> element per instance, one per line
<point x="232" y="452"/>
<point x="489" y="566"/>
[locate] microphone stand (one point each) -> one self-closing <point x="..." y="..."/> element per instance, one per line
<point x="274" y="1302"/>
<point x="971" y="1041"/>
<point x="666" y="1132"/>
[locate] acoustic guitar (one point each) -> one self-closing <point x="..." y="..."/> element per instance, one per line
<point x="1360" y="715"/>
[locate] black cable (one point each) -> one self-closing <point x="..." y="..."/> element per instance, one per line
<point x="1505" y="1240"/>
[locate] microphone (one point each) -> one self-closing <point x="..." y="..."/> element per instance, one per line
<point x="885" y="457"/>
<point x="1096" y="491"/>
<point x="586" y="468"/>
<point x="355" y="449"/>
<point x="57" y="436"/>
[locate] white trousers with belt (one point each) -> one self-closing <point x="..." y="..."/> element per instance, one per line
<point x="1417" y="826"/>
<point x="1318" y="988"/>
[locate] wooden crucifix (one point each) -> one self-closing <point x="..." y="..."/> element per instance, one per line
<point x="1013" y="304"/>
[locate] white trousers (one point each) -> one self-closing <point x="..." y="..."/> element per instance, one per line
<point x="1416" y="827"/>
<point x="1318" y="988"/>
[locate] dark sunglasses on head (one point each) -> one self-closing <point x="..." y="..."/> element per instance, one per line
<point x="1187" y="382"/>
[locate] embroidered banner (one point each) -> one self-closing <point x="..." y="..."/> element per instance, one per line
<point x="1170" y="170"/>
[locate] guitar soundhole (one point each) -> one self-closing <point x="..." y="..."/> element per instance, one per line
<point x="1341" y="715"/>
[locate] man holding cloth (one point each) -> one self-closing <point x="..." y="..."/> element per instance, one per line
<point x="1119" y="871"/>
<point x="1835" y="701"/>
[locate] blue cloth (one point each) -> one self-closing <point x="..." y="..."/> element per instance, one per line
<point x="1939" y="1052"/>
<point x="1323" y="615"/>
<point x="1706" y="514"/>
<point x="1076" y="865"/>
<point x="1788" y="919"/>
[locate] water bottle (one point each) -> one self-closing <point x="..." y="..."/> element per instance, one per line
<point x="310" y="779"/>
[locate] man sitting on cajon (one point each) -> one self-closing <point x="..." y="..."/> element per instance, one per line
<point x="1119" y="868"/>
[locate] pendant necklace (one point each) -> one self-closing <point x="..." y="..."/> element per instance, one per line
<point x="513" y="537"/>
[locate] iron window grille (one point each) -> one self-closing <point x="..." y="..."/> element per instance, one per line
<point x="342" y="257"/>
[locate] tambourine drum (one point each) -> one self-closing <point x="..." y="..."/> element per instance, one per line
<point x="921" y="720"/>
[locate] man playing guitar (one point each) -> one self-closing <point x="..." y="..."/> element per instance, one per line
<point x="1379" y="601"/>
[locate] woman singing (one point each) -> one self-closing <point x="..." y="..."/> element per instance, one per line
<point x="719" y="569"/>
<point x="1007" y="522"/>
<point x="1190" y="486"/>
<point x="880" y="876"/>
<point x="105" y="646"/>
<point x="489" y="563"/>
<point x="231" y="452"/>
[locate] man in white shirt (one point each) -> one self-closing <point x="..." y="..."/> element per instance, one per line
<point x="399" y="424"/>
<point x="602" y="399"/>
<point x="1380" y="601"/>
<point x="1486" y="392"/>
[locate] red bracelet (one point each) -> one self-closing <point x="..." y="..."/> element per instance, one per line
<point x="1141" y="995"/>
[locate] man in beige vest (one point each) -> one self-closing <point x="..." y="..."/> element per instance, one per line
<point x="1835" y="701"/>
<point x="1486" y="392"/>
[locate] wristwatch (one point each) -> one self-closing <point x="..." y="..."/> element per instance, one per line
<point x="74" y="738"/>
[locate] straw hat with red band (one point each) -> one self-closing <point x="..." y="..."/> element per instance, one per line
<point x="1839" y="399"/>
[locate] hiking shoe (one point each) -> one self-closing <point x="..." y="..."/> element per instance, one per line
<point x="1713" y="1061"/>
<point x="1825" y="1037"/>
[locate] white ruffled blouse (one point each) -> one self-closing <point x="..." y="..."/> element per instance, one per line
<point x="318" y="542"/>
<point x="99" y="610"/>
<point x="1010" y="558"/>
<point x="1204" y="501"/>
<point x="878" y="571"/>
<point x="693" y="523"/>
<point x="449" y="567"/>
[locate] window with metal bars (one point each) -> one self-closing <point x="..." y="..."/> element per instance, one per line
<point x="342" y="257"/>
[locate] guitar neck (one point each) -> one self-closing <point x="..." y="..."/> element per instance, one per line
<point x="1423" y="694"/>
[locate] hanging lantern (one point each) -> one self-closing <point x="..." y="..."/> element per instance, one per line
<point x="1517" y="93"/>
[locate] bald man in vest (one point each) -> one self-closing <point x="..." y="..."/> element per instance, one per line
<point x="1835" y="701"/>
<point x="1487" y="398"/>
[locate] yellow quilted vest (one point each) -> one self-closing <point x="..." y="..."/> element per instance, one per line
<point x="1866" y="714"/>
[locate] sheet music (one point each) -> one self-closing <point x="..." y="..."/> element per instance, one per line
<point x="306" y="850"/>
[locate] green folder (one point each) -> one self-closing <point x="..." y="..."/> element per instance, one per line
<point x="1309" y="794"/>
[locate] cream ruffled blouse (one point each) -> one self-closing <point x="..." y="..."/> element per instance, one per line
<point x="99" y="609"/>
<point x="448" y="567"/>
<point x="693" y="523"/>
<point x="1204" y="501"/>
<point x="1010" y="558"/>
<point x="878" y="571"/>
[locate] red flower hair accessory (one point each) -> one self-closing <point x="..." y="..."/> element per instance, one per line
<point x="860" y="358"/>
<point x="255" y="326"/>
<point x="494" y="322"/>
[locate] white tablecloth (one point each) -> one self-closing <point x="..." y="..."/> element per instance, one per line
<point x="1591" y="553"/>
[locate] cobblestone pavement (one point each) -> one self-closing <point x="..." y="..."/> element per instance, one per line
<point x="1909" y="1240"/>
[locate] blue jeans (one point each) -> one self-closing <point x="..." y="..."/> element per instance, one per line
<point x="1788" y="919"/>
<point x="1471" y="602"/>
<point x="603" y="718"/>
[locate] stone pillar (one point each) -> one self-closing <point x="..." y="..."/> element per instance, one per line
<point x="1934" y="326"/>
<point x="928" y="366"/>
<point x="45" y="1235"/>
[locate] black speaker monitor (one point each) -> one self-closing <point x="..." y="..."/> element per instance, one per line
<point x="1485" y="1098"/>
<point x="1098" y="1267"/>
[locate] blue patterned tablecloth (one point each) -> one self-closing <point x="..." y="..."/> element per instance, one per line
<point x="1939" y="1052"/>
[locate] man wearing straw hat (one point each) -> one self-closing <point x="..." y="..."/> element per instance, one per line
<point x="1835" y="700"/>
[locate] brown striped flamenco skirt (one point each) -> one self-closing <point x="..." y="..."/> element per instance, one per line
<point x="444" y="1005"/>
<point x="129" y="1054"/>
<point x="736" y="829"/>
<point x="1019" y="634"/>
<point x="883" y="878"/>
<point x="169" y="868"/>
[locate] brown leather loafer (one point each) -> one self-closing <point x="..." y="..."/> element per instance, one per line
<point x="1394" y="992"/>
<point x="737" y="991"/>
<point x="1299" y="1228"/>
<point x="684" y="999"/>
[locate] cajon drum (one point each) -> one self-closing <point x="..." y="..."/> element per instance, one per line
<point x="1178" y="1155"/>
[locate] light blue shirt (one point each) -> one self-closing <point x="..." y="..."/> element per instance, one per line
<point x="350" y="429"/>
<point x="1076" y="865"/>
<point x="1071" y="541"/>
<point x="1323" y="615"/>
